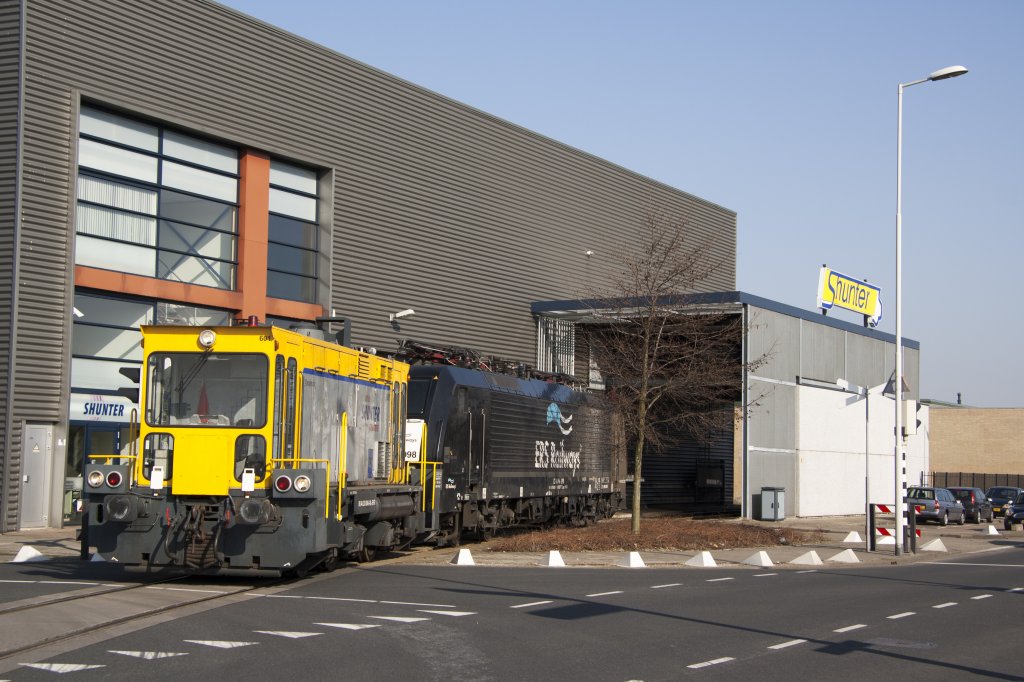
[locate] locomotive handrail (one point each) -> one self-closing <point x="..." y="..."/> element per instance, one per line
<point x="327" y="482"/>
<point x="423" y="481"/>
<point x="342" y="461"/>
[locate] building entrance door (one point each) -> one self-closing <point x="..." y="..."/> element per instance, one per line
<point x="36" y="454"/>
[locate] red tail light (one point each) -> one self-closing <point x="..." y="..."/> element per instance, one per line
<point x="113" y="479"/>
<point x="972" y="498"/>
<point x="936" y="505"/>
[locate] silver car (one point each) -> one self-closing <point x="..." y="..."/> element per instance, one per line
<point x="936" y="504"/>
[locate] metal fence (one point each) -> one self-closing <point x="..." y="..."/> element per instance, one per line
<point x="946" y="479"/>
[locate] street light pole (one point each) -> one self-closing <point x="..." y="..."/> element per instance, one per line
<point x="900" y="452"/>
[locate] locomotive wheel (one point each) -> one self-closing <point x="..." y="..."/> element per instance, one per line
<point x="366" y="554"/>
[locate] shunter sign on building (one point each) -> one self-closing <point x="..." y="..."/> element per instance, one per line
<point x="837" y="290"/>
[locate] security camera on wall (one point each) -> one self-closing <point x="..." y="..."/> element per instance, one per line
<point x="399" y="315"/>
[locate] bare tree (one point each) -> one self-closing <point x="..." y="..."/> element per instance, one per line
<point x="670" y="365"/>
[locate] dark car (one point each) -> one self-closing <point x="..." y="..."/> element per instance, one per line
<point x="1000" y="496"/>
<point x="976" y="504"/>
<point x="936" y="504"/>
<point x="1014" y="512"/>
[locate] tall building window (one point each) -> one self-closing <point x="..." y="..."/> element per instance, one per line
<point x="292" y="240"/>
<point x="155" y="202"/>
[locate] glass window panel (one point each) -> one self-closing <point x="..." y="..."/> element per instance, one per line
<point x="292" y="177"/>
<point x="179" y="268"/>
<point x="116" y="194"/>
<point x="200" y="182"/>
<point x="291" y="287"/>
<point x="293" y="232"/>
<point x="116" y="161"/>
<point x="196" y="240"/>
<point x="204" y="212"/>
<point x="97" y="310"/>
<point x="106" y="222"/>
<point x="200" y="152"/>
<point x="101" y="253"/>
<point x="104" y="342"/>
<point x="293" y="205"/>
<point x="286" y="258"/>
<point x="119" y="129"/>
<point x="194" y="316"/>
<point x="99" y="374"/>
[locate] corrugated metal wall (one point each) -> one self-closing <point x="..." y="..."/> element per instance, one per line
<point x="670" y="474"/>
<point x="436" y="206"/>
<point x="10" y="51"/>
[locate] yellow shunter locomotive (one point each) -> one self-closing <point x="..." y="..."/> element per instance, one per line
<point x="258" y="448"/>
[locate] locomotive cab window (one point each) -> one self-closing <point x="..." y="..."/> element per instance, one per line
<point x="420" y="393"/>
<point x="207" y="389"/>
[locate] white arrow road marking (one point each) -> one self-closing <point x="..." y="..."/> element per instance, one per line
<point x="449" y="613"/>
<point x="289" y="635"/>
<point x="532" y="603"/>
<point x="61" y="667"/>
<point x="149" y="655"/>
<point x="792" y="642"/>
<point x="349" y="626"/>
<point x="849" y="628"/>
<point x="400" y="619"/>
<point x="220" y="644"/>
<point x="716" y="661"/>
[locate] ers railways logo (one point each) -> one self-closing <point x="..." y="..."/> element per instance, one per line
<point x="552" y="454"/>
<point x="555" y="416"/>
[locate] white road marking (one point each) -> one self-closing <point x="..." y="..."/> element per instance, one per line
<point x="810" y="570"/>
<point x="350" y="626"/>
<point x="149" y="655"/>
<point x="220" y="644"/>
<point x="792" y="642"/>
<point x="289" y="635"/>
<point x="718" y="580"/>
<point x="945" y="605"/>
<point x="532" y="603"/>
<point x="716" y="661"/>
<point x="963" y="563"/>
<point x="65" y="582"/>
<point x="61" y="667"/>
<point x="658" y="587"/>
<point x="604" y="594"/>
<point x="449" y="613"/>
<point x="982" y="596"/>
<point x="364" y="601"/>
<point x="284" y="596"/>
<point x="1016" y="589"/>
<point x="990" y="549"/>
<point x="850" y="628"/>
<point x="412" y="603"/>
<point x="400" y="619"/>
<point x="189" y="589"/>
<point x="763" y="575"/>
<point x="20" y="581"/>
<point x="901" y="615"/>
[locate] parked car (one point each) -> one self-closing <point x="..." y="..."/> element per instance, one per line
<point x="1014" y="512"/>
<point x="1000" y="496"/>
<point x="976" y="504"/>
<point x="936" y="504"/>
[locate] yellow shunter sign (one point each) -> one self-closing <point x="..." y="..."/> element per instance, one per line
<point x="837" y="290"/>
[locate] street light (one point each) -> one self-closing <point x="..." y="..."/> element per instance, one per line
<point x="900" y="451"/>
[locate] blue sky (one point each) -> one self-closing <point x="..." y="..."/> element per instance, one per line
<point x="782" y="111"/>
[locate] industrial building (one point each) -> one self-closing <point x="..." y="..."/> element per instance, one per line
<point x="180" y="162"/>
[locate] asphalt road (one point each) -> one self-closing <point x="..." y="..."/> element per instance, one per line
<point x="955" y="618"/>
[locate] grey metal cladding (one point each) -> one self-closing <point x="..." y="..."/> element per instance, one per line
<point x="776" y="336"/>
<point x="10" y="79"/>
<point x="438" y="207"/>
<point x="823" y="352"/>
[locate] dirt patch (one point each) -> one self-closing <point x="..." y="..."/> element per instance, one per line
<point x="655" y="534"/>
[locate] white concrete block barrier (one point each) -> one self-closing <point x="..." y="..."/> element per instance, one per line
<point x="27" y="553"/>
<point x="633" y="560"/>
<point x="845" y="557"/>
<point x="553" y="558"/>
<point x="935" y="545"/>
<point x="853" y="537"/>
<point x="809" y="559"/>
<point x="463" y="558"/>
<point x="991" y="530"/>
<point x="702" y="560"/>
<point x="760" y="559"/>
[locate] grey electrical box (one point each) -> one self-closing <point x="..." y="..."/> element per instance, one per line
<point x="773" y="504"/>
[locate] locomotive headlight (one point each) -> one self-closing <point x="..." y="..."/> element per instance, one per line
<point x="95" y="479"/>
<point x="120" y="508"/>
<point x="302" y="483"/>
<point x="207" y="337"/>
